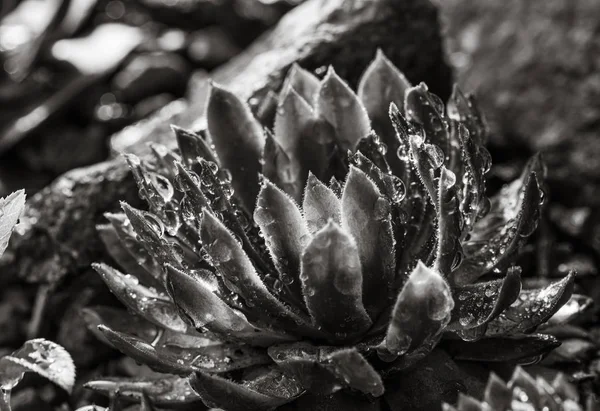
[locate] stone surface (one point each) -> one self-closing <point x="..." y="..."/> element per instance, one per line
<point x="343" y="33"/>
<point x="533" y="65"/>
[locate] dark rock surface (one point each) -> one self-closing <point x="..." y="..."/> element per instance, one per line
<point x="58" y="235"/>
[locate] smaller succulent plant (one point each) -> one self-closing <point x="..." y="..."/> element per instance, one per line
<point x="522" y="392"/>
<point x="323" y="250"/>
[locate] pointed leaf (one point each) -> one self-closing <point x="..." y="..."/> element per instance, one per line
<point x="123" y="257"/>
<point x="11" y="208"/>
<point x="320" y="204"/>
<point x="332" y="283"/>
<point x="203" y="308"/>
<point x="285" y="234"/>
<point x="427" y="109"/>
<point x="463" y="108"/>
<point x="477" y="304"/>
<point x="497" y="236"/>
<point x="294" y="122"/>
<point x="526" y="383"/>
<point x="174" y="359"/>
<point x="42" y="357"/>
<point x="427" y="159"/>
<point x="381" y="85"/>
<point x="497" y="395"/>
<point x="145" y="353"/>
<point x="238" y="140"/>
<point x="145" y="301"/>
<point x="268" y="392"/>
<point x="189" y="182"/>
<point x="276" y="162"/>
<point x="128" y="238"/>
<point x="192" y="146"/>
<point x="302" y="361"/>
<point x="164" y="391"/>
<point x="338" y="104"/>
<point x="118" y="320"/>
<point x="352" y="368"/>
<point x="467" y="403"/>
<point x="449" y="250"/>
<point x="153" y="187"/>
<point x="532" y="308"/>
<point x="422" y="310"/>
<point x="366" y="216"/>
<point x="524" y="349"/>
<point x="303" y="82"/>
<point x="151" y="234"/>
<point x="231" y="261"/>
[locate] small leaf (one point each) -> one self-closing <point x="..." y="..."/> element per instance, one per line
<point x="42" y="357"/>
<point x="303" y="82"/>
<point x="464" y="109"/>
<point x="524" y="349"/>
<point x="124" y="258"/>
<point x="118" y="320"/>
<point x="228" y="257"/>
<point x="338" y="104"/>
<point x="421" y="312"/>
<point x="238" y="140"/>
<point x="468" y="403"/>
<point x="266" y="392"/>
<point x="11" y="209"/>
<point x="332" y="283"/>
<point x="366" y="216"/>
<point x="192" y="146"/>
<point x="496" y="237"/>
<point x="526" y="383"/>
<point x="352" y="368"/>
<point x="477" y="304"/>
<point x="285" y="234"/>
<point x="448" y="244"/>
<point x="144" y="301"/>
<point x="150" y="232"/>
<point x="320" y="204"/>
<point x="532" y="308"/>
<point x="129" y="240"/>
<point x="381" y="85"/>
<point x="294" y="122"/>
<point x="163" y="391"/>
<point x="146" y="353"/>
<point x="427" y="109"/>
<point x="497" y="395"/>
<point x="302" y="361"/>
<point x="203" y="308"/>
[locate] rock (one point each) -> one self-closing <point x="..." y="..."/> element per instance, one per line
<point x="149" y="74"/>
<point x="58" y="236"/>
<point x="533" y="65"/>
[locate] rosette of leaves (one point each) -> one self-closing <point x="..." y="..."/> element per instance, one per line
<point x="320" y="245"/>
<point x="522" y="392"/>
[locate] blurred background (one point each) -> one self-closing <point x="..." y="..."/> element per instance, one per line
<point x="73" y="72"/>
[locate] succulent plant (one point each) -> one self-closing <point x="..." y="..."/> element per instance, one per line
<point x="522" y="392"/>
<point x="321" y="244"/>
